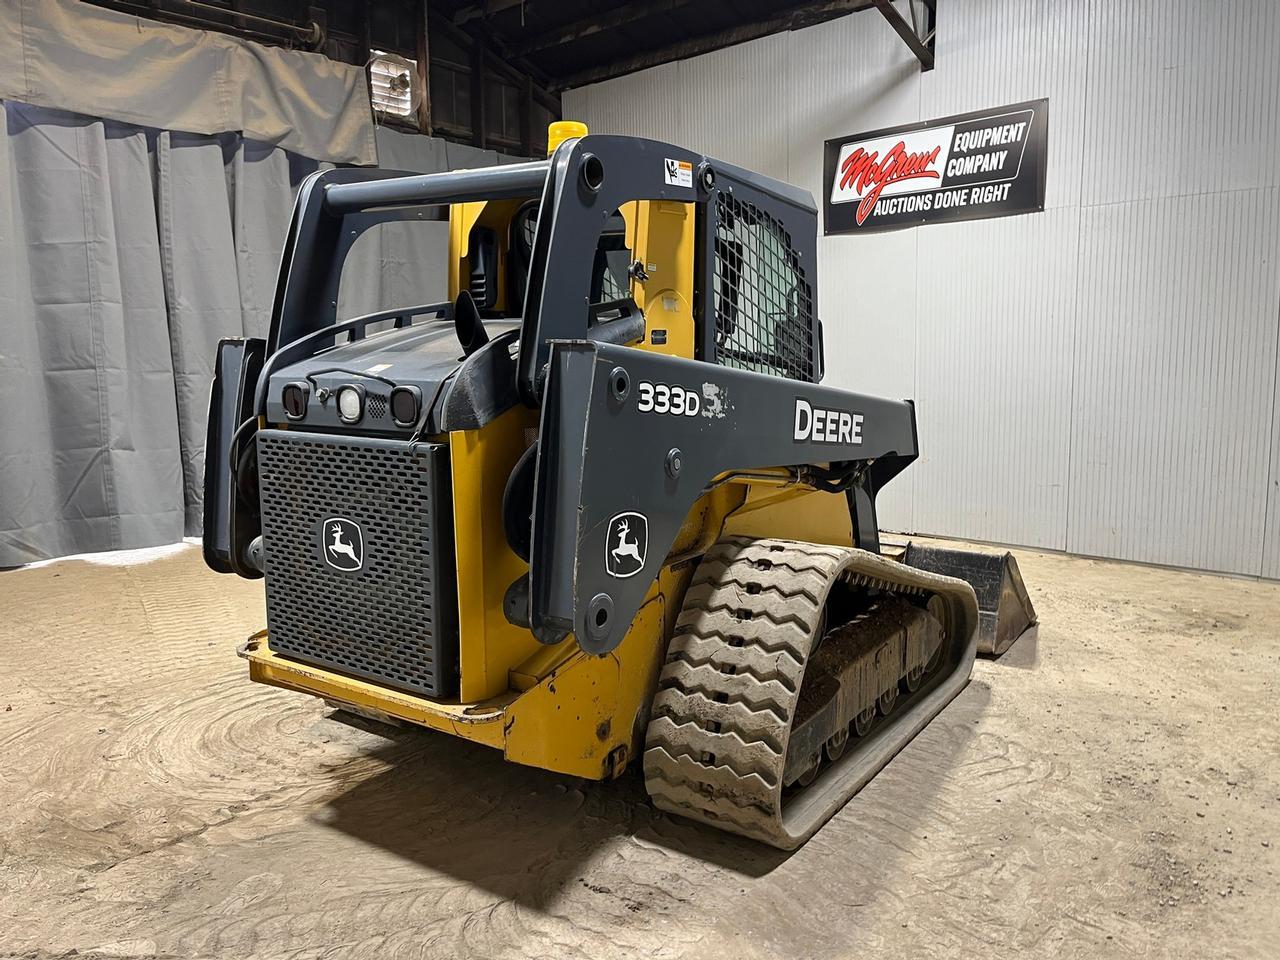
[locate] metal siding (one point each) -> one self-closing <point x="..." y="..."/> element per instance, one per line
<point x="997" y="298"/>
<point x="1175" y="367"/>
<point x="1101" y="376"/>
<point x="1271" y="531"/>
<point x="997" y="310"/>
<point x="743" y="94"/>
<point x="1182" y="98"/>
<point x="645" y="104"/>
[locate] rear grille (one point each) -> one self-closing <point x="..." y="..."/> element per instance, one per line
<point x="392" y="619"/>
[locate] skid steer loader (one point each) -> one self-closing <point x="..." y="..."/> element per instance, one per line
<point x="597" y="507"/>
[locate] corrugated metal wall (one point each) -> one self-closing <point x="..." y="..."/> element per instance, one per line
<point x="1100" y="377"/>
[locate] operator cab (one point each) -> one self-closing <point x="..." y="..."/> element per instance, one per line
<point x="493" y="266"/>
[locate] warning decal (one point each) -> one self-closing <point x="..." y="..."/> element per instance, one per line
<point x="677" y="173"/>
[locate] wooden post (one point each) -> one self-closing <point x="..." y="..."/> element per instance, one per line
<point x="424" y="73"/>
<point x="526" y="118"/>
<point x="478" y="135"/>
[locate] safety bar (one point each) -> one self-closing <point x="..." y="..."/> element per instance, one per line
<point x="504" y="182"/>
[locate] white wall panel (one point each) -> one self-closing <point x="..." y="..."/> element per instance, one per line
<point x="1100" y="376"/>
<point x="1182" y="98"/>
<point x="997" y="309"/>
<point x="1271" y="529"/>
<point x="1175" y="379"/>
<point x="743" y="95"/>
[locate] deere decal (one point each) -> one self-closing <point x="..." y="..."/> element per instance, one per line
<point x="974" y="165"/>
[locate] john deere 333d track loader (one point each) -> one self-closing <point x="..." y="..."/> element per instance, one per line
<point x="597" y="507"/>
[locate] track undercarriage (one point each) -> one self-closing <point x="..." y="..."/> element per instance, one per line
<point x="796" y="672"/>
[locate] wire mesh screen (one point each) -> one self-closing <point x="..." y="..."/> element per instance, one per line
<point x="764" y="304"/>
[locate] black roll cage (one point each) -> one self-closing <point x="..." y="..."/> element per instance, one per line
<point x="579" y="187"/>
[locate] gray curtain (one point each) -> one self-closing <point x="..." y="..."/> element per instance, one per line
<point x="125" y="255"/>
<point x="83" y="58"/>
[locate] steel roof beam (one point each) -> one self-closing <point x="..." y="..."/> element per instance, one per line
<point x="589" y="26"/>
<point x="922" y="47"/>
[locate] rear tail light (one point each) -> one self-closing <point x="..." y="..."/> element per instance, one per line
<point x="406" y="404"/>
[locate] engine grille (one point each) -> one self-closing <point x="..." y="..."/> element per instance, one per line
<point x="391" y="620"/>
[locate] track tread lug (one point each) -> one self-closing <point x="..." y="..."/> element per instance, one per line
<point x="748" y="723"/>
<point x="716" y="744"/>
<point x="689" y="738"/>
<point x="765" y="667"/>
<point x="744" y="685"/>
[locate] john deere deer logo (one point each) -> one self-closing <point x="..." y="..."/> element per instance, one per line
<point x="342" y="544"/>
<point x="626" y="542"/>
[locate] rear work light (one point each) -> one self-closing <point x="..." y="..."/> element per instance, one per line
<point x="294" y="399"/>
<point x="406" y="403"/>
<point x="350" y="403"/>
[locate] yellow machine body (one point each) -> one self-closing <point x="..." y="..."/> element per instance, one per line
<point x="557" y="707"/>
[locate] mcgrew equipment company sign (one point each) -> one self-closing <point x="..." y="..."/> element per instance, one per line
<point x="967" y="167"/>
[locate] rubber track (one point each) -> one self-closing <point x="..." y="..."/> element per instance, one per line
<point x="715" y="749"/>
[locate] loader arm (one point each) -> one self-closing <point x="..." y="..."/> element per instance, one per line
<point x="640" y="436"/>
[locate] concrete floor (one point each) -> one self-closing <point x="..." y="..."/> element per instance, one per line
<point x="1110" y="788"/>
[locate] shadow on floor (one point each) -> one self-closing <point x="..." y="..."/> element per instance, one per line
<point x="526" y="834"/>
<point x="1024" y="654"/>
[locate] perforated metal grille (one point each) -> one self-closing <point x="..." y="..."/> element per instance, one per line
<point x="391" y="620"/>
<point x="376" y="405"/>
<point x="763" y="301"/>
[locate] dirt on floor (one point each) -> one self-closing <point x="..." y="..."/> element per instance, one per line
<point x="1109" y="788"/>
